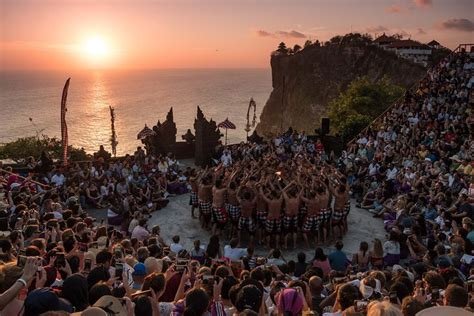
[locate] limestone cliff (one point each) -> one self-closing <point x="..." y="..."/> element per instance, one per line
<point x="304" y="83"/>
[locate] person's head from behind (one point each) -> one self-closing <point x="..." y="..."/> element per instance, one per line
<point x="456" y="296"/>
<point x="301" y="257"/>
<point x="384" y="308"/>
<point x="97" y="291"/>
<point x="289" y="302"/>
<point x="197" y="302"/>
<point x="234" y="243"/>
<point x="346" y="295"/>
<point x="411" y="306"/>
<point x="143" y="306"/>
<point x="249" y="297"/>
<point x="175" y="239"/>
<point x="339" y="245"/>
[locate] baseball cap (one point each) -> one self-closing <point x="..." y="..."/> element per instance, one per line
<point x="139" y="269"/>
<point x="43" y="300"/>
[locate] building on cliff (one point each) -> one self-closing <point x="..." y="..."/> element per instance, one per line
<point x="412" y="50"/>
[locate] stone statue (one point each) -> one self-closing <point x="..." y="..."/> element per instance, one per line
<point x="207" y="138"/>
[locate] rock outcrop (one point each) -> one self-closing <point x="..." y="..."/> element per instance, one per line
<point x="305" y="83"/>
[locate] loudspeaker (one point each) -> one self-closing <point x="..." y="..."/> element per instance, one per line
<point x="325" y="125"/>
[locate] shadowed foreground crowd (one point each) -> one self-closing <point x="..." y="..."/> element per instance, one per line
<point x="413" y="168"/>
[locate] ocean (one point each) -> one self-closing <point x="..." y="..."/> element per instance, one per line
<point x="139" y="97"/>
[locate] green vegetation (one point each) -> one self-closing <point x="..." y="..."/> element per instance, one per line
<point x="33" y="146"/>
<point x="360" y="104"/>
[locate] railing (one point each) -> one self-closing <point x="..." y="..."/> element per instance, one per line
<point x="461" y="47"/>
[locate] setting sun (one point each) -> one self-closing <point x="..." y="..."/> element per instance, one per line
<point x="96" y="47"/>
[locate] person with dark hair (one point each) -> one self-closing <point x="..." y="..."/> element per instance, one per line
<point x="320" y="260"/>
<point x="196" y="303"/>
<point x="249" y="297"/>
<point x="143" y="306"/>
<point x="338" y="259"/>
<point x="97" y="291"/>
<point x="76" y="290"/>
<point x="411" y="306"/>
<point x="456" y="296"/>
<point x="300" y="265"/>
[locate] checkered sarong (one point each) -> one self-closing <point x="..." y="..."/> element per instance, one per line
<point x="205" y="207"/>
<point x="273" y="225"/>
<point x="246" y="223"/>
<point x="324" y="216"/>
<point x="290" y="223"/>
<point x="193" y="200"/>
<point x="261" y="218"/>
<point x="219" y="215"/>
<point x="302" y="215"/>
<point x="311" y="224"/>
<point x="234" y="212"/>
<point x="337" y="215"/>
<point x="347" y="209"/>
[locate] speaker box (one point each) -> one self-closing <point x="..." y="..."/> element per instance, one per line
<point x="325" y="125"/>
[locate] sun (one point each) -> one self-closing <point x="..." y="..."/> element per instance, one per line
<point x="96" y="47"/>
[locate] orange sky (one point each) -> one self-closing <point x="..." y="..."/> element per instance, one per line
<point x="53" y="34"/>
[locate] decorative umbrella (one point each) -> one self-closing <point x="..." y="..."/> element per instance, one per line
<point x="145" y="132"/>
<point x="227" y="125"/>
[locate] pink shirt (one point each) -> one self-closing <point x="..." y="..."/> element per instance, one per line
<point x="323" y="265"/>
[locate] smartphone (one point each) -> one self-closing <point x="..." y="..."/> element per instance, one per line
<point x="360" y="306"/>
<point x="119" y="270"/>
<point x="21" y="261"/>
<point x="87" y="264"/>
<point x="60" y="260"/>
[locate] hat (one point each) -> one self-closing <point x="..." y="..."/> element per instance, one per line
<point x="91" y="311"/>
<point x="443" y="262"/>
<point x="43" y="300"/>
<point x="111" y="305"/>
<point x="102" y="241"/>
<point x="289" y="301"/>
<point x="444" y="310"/>
<point x="455" y="158"/>
<point x="139" y="269"/>
<point x="397" y="268"/>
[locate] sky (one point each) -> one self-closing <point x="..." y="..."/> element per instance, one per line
<point x="152" y="34"/>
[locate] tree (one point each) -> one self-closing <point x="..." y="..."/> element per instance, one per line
<point x="34" y="146"/>
<point x="296" y="48"/>
<point x="317" y="43"/>
<point x="361" y="103"/>
<point x="307" y="43"/>
<point x="282" y="48"/>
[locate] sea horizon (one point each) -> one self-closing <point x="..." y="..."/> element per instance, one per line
<point x="139" y="96"/>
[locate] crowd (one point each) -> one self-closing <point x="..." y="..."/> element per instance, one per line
<point x="413" y="168"/>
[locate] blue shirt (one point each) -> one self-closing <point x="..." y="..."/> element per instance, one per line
<point x="338" y="260"/>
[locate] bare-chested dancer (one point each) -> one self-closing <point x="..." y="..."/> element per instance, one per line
<point x="247" y="205"/>
<point x="292" y="205"/>
<point x="194" y="201"/>
<point x="273" y="220"/>
<point x="311" y="222"/>
<point x="219" y="213"/>
<point x="205" y="198"/>
<point x="341" y="198"/>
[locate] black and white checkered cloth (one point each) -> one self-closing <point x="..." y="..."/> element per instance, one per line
<point x="246" y="223"/>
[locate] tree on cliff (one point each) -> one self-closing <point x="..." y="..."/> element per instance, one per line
<point x="296" y="48"/>
<point x="361" y="103"/>
<point x="282" y="48"/>
<point x="307" y="43"/>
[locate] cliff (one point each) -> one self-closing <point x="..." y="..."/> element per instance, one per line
<point x="304" y="83"/>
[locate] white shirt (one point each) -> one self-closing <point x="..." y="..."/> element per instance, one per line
<point x="176" y="248"/>
<point x="234" y="253"/>
<point x="226" y="160"/>
<point x="58" y="179"/>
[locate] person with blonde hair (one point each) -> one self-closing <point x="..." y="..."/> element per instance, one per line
<point x="376" y="254"/>
<point x="384" y="308"/>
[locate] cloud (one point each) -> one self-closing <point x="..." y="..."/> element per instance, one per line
<point x="376" y="29"/>
<point x="420" y="31"/>
<point x="463" y="25"/>
<point x="424" y="3"/>
<point x="262" y="33"/>
<point x="279" y="34"/>
<point x="393" y="9"/>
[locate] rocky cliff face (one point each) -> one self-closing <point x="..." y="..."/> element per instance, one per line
<point x="304" y="83"/>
